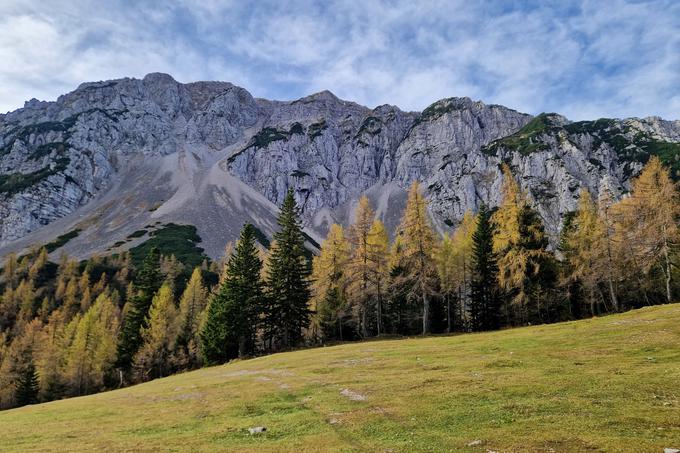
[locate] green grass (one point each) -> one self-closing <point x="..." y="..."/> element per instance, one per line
<point x="60" y="241"/>
<point x="606" y="384"/>
<point x="13" y="183"/>
<point x="171" y="239"/>
<point x="528" y="139"/>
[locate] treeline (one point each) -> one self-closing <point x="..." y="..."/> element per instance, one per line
<point x="498" y="268"/>
<point x="74" y="328"/>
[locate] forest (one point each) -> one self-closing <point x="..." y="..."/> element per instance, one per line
<point x="72" y="327"/>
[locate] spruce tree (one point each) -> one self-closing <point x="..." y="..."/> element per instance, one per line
<point x="27" y="386"/>
<point x="233" y="314"/>
<point x="484" y="299"/>
<point x="147" y="283"/>
<point x="287" y="283"/>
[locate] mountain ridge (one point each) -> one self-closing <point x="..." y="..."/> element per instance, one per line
<point x="172" y="149"/>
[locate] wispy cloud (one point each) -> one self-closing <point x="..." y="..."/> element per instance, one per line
<point x="584" y="59"/>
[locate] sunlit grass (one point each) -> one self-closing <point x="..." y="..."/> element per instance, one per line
<point x="606" y="384"/>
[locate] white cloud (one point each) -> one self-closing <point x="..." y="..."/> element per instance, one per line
<point x="584" y="60"/>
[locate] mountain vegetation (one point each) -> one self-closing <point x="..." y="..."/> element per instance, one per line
<point x="73" y="328"/>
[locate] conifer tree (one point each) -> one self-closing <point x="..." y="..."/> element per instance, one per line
<point x="418" y="238"/>
<point x="92" y="350"/>
<point x="328" y="283"/>
<point x="584" y="247"/>
<point x="525" y="267"/>
<point x="462" y="244"/>
<point x="359" y="264"/>
<point x="605" y="202"/>
<point x="191" y="310"/>
<point x="234" y="312"/>
<point x="647" y="222"/>
<point x="378" y="256"/>
<point x="287" y="284"/>
<point x="152" y="360"/>
<point x="444" y="258"/>
<point x="485" y="301"/>
<point x="27" y="386"/>
<point x="147" y="283"/>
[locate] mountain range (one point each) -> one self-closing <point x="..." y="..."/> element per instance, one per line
<point x="103" y="167"/>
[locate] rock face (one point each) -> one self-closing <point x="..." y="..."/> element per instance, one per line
<point x="199" y="143"/>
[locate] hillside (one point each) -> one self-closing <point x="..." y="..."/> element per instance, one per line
<point x="111" y="158"/>
<point x="605" y="384"/>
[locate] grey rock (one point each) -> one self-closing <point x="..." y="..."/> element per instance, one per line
<point x="112" y="156"/>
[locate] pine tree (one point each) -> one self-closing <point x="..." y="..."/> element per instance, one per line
<point x="418" y="239"/>
<point x="234" y="312"/>
<point x="328" y="283"/>
<point x="147" y="283"/>
<point x="191" y="310"/>
<point x="287" y="283"/>
<point x="485" y="304"/>
<point x="27" y="386"/>
<point x="152" y="360"/>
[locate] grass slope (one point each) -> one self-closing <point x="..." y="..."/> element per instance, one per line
<point x="607" y="384"/>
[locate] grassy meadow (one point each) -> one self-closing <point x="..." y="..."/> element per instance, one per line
<point x="605" y="384"/>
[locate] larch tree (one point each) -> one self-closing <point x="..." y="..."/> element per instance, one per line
<point x="462" y="244"/>
<point x="328" y="283"/>
<point x="152" y="360"/>
<point x="605" y="202"/>
<point x="191" y="310"/>
<point x="444" y="259"/>
<point x="585" y="249"/>
<point x="648" y="221"/>
<point x="419" y="242"/>
<point x="288" y="281"/>
<point x="378" y="249"/>
<point x="359" y="265"/>
<point x="91" y="353"/>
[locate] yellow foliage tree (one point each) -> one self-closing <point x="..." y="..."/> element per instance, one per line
<point x="646" y="222"/>
<point x="328" y="282"/>
<point x="418" y="242"/>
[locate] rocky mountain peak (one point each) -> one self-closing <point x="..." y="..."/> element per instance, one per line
<point x="114" y="156"/>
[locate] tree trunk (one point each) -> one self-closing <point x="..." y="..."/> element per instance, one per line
<point x="448" y="313"/>
<point x="426" y="314"/>
<point x="667" y="268"/>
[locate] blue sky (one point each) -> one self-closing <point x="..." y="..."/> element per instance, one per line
<point x="584" y="59"/>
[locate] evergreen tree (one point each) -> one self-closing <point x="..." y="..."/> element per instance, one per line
<point x="233" y="313"/>
<point x="526" y="268"/>
<point x="147" y="283"/>
<point x="27" y="386"/>
<point x="287" y="283"/>
<point x="485" y="301"/>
